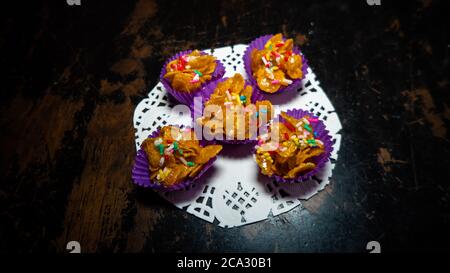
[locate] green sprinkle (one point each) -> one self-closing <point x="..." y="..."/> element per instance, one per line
<point x="243" y="98"/>
<point x="312" y="142"/>
<point x="175" y="145"/>
<point x="270" y="47"/>
<point x="180" y="151"/>
<point x="161" y="149"/>
<point x="198" y="72"/>
<point x="190" y="164"/>
<point x="306" y="126"/>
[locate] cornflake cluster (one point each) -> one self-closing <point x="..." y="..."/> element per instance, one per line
<point x="289" y="148"/>
<point x="276" y="65"/>
<point x="190" y="71"/>
<point x="230" y="111"/>
<point x="176" y="155"/>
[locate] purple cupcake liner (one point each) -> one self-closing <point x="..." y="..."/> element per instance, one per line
<point x="322" y="134"/>
<point x="141" y="173"/>
<point x="259" y="44"/>
<point x="206" y="93"/>
<point x="184" y="97"/>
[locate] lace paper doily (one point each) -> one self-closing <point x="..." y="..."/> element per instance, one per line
<point x="233" y="192"/>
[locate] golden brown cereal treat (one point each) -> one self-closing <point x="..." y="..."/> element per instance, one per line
<point x="294" y="151"/>
<point x="276" y="65"/>
<point x="189" y="72"/>
<point x="232" y="101"/>
<point x="176" y="155"/>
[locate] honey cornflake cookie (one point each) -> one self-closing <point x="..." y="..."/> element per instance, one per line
<point x="295" y="148"/>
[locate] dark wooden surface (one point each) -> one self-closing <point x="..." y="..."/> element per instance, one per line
<point x="72" y="76"/>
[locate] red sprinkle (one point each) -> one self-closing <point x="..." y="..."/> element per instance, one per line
<point x="166" y="157"/>
<point x="286" y="136"/>
<point x="169" y="141"/>
<point x="180" y="66"/>
<point x="182" y="60"/>
<point x="289" y="126"/>
<point x="279" y="44"/>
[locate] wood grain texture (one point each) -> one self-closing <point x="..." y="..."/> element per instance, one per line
<point x="75" y="74"/>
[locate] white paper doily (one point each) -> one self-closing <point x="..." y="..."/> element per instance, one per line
<point x="232" y="192"/>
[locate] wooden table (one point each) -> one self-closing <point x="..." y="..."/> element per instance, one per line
<point x="74" y="74"/>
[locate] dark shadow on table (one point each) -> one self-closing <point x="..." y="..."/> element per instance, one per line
<point x="237" y="150"/>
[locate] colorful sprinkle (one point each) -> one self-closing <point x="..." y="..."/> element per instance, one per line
<point x="179" y="67"/>
<point x="195" y="79"/>
<point x="313" y="119"/>
<point x="275" y="82"/>
<point x="161" y="149"/>
<point x="289" y="126"/>
<point x="307" y="127"/>
<point x="184" y="59"/>
<point x="287" y="81"/>
<point x="162" y="174"/>
<point x="190" y="164"/>
<point x="311" y="141"/>
<point x="278" y="59"/>
<point x="183" y="160"/>
<point x="275" y="54"/>
<point x="264" y="61"/>
<point x="198" y="72"/>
